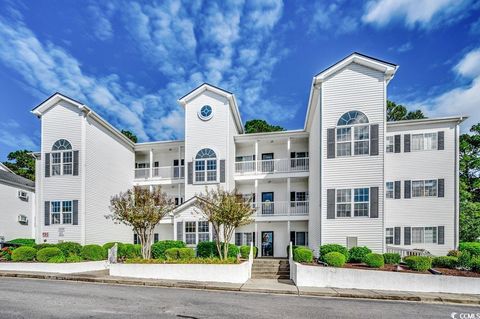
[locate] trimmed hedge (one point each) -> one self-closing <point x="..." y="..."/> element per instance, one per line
<point x="472" y="247"/>
<point x="335" y="259"/>
<point x="57" y="259"/>
<point x="70" y="248"/>
<point x="418" y="263"/>
<point x="475" y="264"/>
<point x="445" y="262"/>
<point x="245" y="251"/>
<point x="374" y="260"/>
<point x="454" y="253"/>
<point x="126" y="251"/>
<point x="24" y="253"/>
<point x="328" y="248"/>
<point x="356" y="254"/>
<point x="186" y="253"/>
<point x="44" y="255"/>
<point x="392" y="258"/>
<point x="303" y="255"/>
<point x="171" y="253"/>
<point x="44" y="245"/>
<point x="23" y="242"/>
<point x="93" y="252"/>
<point x="73" y="259"/>
<point x="109" y="245"/>
<point x="208" y="249"/>
<point x="464" y="260"/>
<point x="158" y="248"/>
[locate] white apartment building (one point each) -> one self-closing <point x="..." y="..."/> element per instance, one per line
<point x="347" y="177"/>
<point x="17" y="211"/>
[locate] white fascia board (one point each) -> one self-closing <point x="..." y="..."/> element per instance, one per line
<point x="314" y="93"/>
<point x="271" y="135"/>
<point x="457" y="119"/>
<point x="151" y="145"/>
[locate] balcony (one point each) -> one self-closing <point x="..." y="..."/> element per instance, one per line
<point x="285" y="165"/>
<point x="271" y="209"/>
<point x="161" y="173"/>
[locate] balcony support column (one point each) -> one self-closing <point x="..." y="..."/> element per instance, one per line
<point x="257" y="206"/>
<point x="259" y="246"/>
<point x="288" y="229"/>
<point x="256" y="156"/>
<point x="151" y="164"/>
<point x="288" y="197"/>
<point x="289" y="142"/>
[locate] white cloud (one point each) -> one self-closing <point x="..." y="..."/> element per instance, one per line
<point x="333" y="17"/>
<point x="461" y="100"/>
<point x="423" y="13"/>
<point x="17" y="140"/>
<point x="100" y="17"/>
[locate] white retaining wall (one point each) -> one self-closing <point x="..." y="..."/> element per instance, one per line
<point x="64" y="268"/>
<point x="315" y="276"/>
<point x="231" y="273"/>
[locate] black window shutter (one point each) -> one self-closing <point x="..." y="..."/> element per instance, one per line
<point x="222" y="171"/>
<point x="406" y="143"/>
<point x="373" y="202"/>
<point x="135" y="238"/>
<point x="75" y="212"/>
<point x="292" y="196"/>
<point x="397" y="189"/>
<point x="47" y="213"/>
<point x="190" y="172"/>
<point x="441" y="187"/>
<point x="155" y="238"/>
<point x="397" y="140"/>
<point x="47" y="164"/>
<point x="75" y="163"/>
<point x="374" y="139"/>
<point x="407" y="235"/>
<point x="292" y="237"/>
<point x="407" y="189"/>
<point x="397" y="235"/>
<point x="253" y="239"/>
<point x="331" y="143"/>
<point x="441" y="140"/>
<point x="330" y="203"/>
<point x="180" y="231"/>
<point x="441" y="235"/>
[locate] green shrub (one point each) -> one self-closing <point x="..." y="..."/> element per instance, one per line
<point x="418" y="263"/>
<point x="245" y="251"/>
<point x="44" y="245"/>
<point x="335" y="259"/>
<point x="464" y="260"/>
<point x="24" y="253"/>
<point x="186" y="253"/>
<point x="445" y="262"/>
<point x="208" y="249"/>
<point x="57" y="259"/>
<point x="328" y="248"/>
<point x="93" y="252"/>
<point x="293" y="248"/>
<point x="73" y="259"/>
<point x="171" y="253"/>
<point x="43" y="255"/>
<point x="454" y="253"/>
<point x="472" y="247"/>
<point x="303" y="255"/>
<point x="23" y="242"/>
<point x="475" y="264"/>
<point x="158" y="248"/>
<point x="109" y="245"/>
<point x="69" y="248"/>
<point x="126" y="251"/>
<point x="392" y="258"/>
<point x="356" y="254"/>
<point x="374" y="260"/>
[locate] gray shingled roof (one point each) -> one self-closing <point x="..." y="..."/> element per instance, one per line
<point x="15" y="179"/>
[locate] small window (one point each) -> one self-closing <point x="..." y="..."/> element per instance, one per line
<point x="344" y="205"/>
<point x="56" y="163"/>
<point x="66" y="212"/>
<point x="389" y="190"/>
<point x="61" y="145"/>
<point x="418" y="188"/>
<point x="430" y="235"/>
<point x="430" y="142"/>
<point x="203" y="231"/>
<point x="361" y="199"/>
<point x="361" y="140"/>
<point x="417" y="235"/>
<point x="352" y="242"/>
<point x="389" y="236"/>
<point x="190" y="233"/>
<point x="344" y="145"/>
<point x="238" y="239"/>
<point x="431" y="188"/>
<point x="55" y="210"/>
<point x="389" y="144"/>
<point x="352" y="118"/>
<point x="301" y="238"/>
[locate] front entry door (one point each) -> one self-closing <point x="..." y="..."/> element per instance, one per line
<point x="267" y="243"/>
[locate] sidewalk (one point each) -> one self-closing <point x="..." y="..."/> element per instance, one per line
<point x="271" y="286"/>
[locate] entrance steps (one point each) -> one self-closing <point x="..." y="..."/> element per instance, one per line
<point x="270" y="268"/>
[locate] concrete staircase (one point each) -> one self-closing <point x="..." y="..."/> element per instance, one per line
<point x="264" y="268"/>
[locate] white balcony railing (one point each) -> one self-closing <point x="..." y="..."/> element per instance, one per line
<point x="284" y="165"/>
<point x="165" y="172"/>
<point x="266" y="209"/>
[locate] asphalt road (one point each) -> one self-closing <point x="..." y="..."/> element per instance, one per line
<point x="28" y="298"/>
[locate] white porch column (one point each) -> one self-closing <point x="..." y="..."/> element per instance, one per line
<point x="256" y="156"/>
<point x="259" y="245"/>
<point x="288" y="153"/>
<point x="257" y="198"/>
<point x="151" y="164"/>
<point x="288" y="230"/>
<point x="174" y="228"/>
<point x="289" y="208"/>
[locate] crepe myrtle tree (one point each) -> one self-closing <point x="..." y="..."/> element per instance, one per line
<point x="225" y="210"/>
<point x="142" y="209"/>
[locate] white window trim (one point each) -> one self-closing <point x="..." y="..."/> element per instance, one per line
<point x="423" y="149"/>
<point x="184" y="223"/>
<point x="388" y="236"/>
<point x="352" y="203"/>
<point x="61" y="212"/>
<point x="393" y="190"/>
<point x="392" y="137"/>
<point x="205" y="181"/>
<point x="424" y="243"/>
<point x="62" y="162"/>
<point x="352" y="140"/>
<point x="424" y="188"/>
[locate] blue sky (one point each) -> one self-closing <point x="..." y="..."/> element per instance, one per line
<point x="130" y="61"/>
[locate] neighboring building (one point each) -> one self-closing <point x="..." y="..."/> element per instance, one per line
<point x="17" y="211"/>
<point x="348" y="177"/>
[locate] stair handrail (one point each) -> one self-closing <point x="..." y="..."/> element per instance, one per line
<point x="290" y="259"/>
<point x="250" y="260"/>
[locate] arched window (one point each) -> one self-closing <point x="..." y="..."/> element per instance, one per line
<point x="206" y="166"/>
<point x="353" y="132"/>
<point x="61" y="158"/>
<point x="61" y="145"/>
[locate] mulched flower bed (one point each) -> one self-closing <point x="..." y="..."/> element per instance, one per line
<point x="456" y="272"/>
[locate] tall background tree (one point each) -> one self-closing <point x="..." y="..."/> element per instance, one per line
<point x="130" y="135"/>
<point x="398" y="112"/>
<point x="261" y="126"/>
<point x="22" y="163"/>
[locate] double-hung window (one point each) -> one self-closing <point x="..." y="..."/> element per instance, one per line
<point x="424" y="141"/>
<point x="243" y="239"/>
<point x="206" y="166"/>
<point x="389" y="236"/>
<point x="344" y="202"/>
<point x="418" y="188"/>
<point x="344" y="141"/>
<point x="55" y="210"/>
<point x="61" y="212"/>
<point x="417" y="235"/>
<point x="357" y="199"/>
<point x="430" y="235"/>
<point x="190" y="233"/>
<point x="427" y="188"/>
<point x="353" y="134"/>
<point x="361" y="140"/>
<point x="62" y="158"/>
<point x="431" y="188"/>
<point x="389" y="190"/>
<point x="361" y="202"/>
<point x="389" y="144"/>
<point x="203" y="231"/>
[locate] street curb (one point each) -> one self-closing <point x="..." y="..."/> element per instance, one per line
<point x="211" y="286"/>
